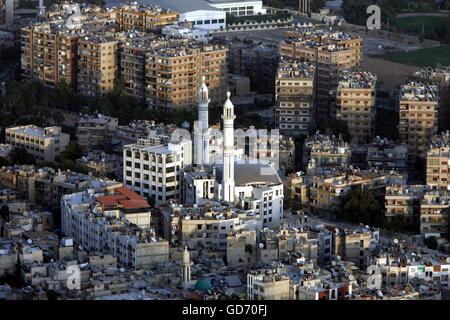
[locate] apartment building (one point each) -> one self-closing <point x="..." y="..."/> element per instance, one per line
<point x="45" y="144"/>
<point x="117" y="223"/>
<point x="141" y="17"/>
<point x="206" y="225"/>
<point x="296" y="191"/>
<point x="325" y="151"/>
<point x="155" y="170"/>
<point x="258" y="62"/>
<point x="434" y="213"/>
<point x="419" y="107"/>
<point x="438" y="162"/>
<point x="355" y="97"/>
<point x="267" y="285"/>
<point x="402" y="202"/>
<point x="49" y="54"/>
<point x="327" y="191"/>
<point x="331" y="52"/>
<point x="46" y="186"/>
<point x="439" y="76"/>
<point x="294" y="98"/>
<point x="174" y="71"/>
<point x="95" y="132"/>
<point x="97" y="64"/>
<point x="241" y="247"/>
<point x="353" y="245"/>
<point x="387" y="155"/>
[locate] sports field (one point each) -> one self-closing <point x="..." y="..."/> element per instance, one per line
<point x="420" y="24"/>
<point x="421" y="58"/>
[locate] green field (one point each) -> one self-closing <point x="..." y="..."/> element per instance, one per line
<point x="419" y="24"/>
<point x="420" y="58"/>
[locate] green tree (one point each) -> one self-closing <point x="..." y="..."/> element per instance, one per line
<point x="360" y="205"/>
<point x="431" y="243"/>
<point x="21" y="156"/>
<point x="72" y="152"/>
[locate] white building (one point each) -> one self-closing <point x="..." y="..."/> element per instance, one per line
<point x="155" y="170"/>
<point x="254" y="187"/>
<point x="117" y="224"/>
<point x="178" y="30"/>
<point x="210" y="14"/>
<point x="43" y="143"/>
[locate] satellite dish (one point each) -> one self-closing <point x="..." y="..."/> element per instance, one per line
<point x="448" y="259"/>
<point x="338" y="257"/>
<point x="367" y="227"/>
<point x="122" y="269"/>
<point x="396" y="241"/>
<point x="351" y="277"/>
<point x="333" y="263"/>
<point x="261" y="245"/>
<point x="29" y="241"/>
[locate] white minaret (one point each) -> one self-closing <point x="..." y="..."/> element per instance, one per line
<point x="186" y="272"/>
<point x="41" y="8"/>
<point x="201" y="134"/>
<point x="228" y="150"/>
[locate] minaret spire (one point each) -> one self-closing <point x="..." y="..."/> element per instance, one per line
<point x="186" y="272"/>
<point x="202" y="138"/>
<point x="228" y="150"/>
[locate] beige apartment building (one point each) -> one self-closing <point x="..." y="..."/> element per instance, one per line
<point x="438" y="162"/>
<point x="439" y="76"/>
<point x="95" y="132"/>
<point x="49" y="54"/>
<point x="325" y="151"/>
<point x="402" y="202"/>
<point x="353" y="246"/>
<point x="331" y="52"/>
<point x="419" y="107"/>
<point x="97" y="64"/>
<point x="326" y="192"/>
<point x="267" y="285"/>
<point x="141" y="17"/>
<point x="174" y="71"/>
<point x="45" y="144"/>
<point x="294" y="98"/>
<point x="434" y="213"/>
<point x="355" y="97"/>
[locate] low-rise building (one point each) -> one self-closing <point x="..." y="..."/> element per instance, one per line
<point x="45" y="144"/>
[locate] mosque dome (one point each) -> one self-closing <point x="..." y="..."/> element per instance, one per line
<point x="203" y="285"/>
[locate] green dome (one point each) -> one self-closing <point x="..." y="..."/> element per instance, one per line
<point x="203" y="285"/>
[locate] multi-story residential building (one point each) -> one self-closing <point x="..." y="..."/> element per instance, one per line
<point x="49" y="54"/>
<point x="331" y="52"/>
<point x="46" y="186"/>
<point x="355" y="98"/>
<point x="117" y="224"/>
<point x="174" y="71"/>
<point x="141" y="17"/>
<point x="327" y="191"/>
<point x="45" y="144"/>
<point x="205" y="225"/>
<point x="439" y="76"/>
<point x="155" y="170"/>
<point x="95" y="132"/>
<point x="402" y="202"/>
<point x="387" y="155"/>
<point x="259" y="62"/>
<point x="353" y="245"/>
<point x="267" y="285"/>
<point x="434" y="213"/>
<point x="97" y="64"/>
<point x="325" y="151"/>
<point x="294" y="98"/>
<point x="419" y="107"/>
<point x="296" y="191"/>
<point x="438" y="162"/>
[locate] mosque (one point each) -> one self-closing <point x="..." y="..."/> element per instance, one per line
<point x="253" y="186"/>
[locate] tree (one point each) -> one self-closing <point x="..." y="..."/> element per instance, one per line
<point x="431" y="243"/>
<point x="360" y="205"/>
<point x="72" y="152"/>
<point x="21" y="156"/>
